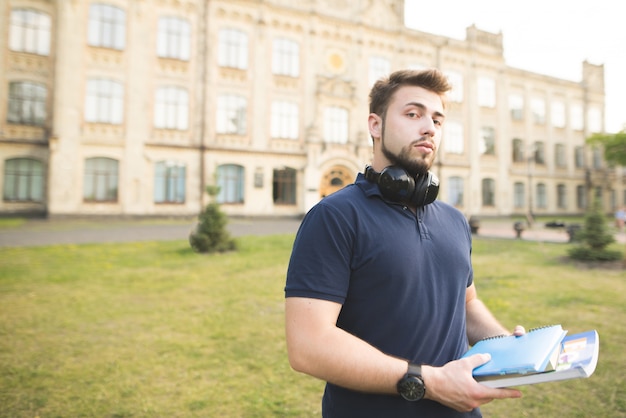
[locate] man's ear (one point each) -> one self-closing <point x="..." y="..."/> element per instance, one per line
<point x="375" y="125"/>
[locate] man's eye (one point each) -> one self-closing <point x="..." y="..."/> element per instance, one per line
<point x="412" y="115"/>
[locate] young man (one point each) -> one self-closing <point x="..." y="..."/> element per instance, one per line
<point x="380" y="299"/>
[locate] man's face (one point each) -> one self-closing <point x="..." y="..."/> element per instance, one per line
<point x="411" y="131"/>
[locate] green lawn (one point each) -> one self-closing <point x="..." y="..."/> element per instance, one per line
<point x="155" y="330"/>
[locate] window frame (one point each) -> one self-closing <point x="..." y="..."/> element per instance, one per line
<point x="106" y="26"/>
<point x="170" y="178"/>
<point x="104" y="101"/>
<point x="174" y="38"/>
<point x="171" y="108"/>
<point x="23" y="180"/>
<point x="101" y="176"/>
<point x="30" y="31"/>
<point x="27" y="103"/>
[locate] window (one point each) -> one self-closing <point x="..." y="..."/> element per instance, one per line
<point x="486" y="92"/>
<point x="559" y="155"/>
<point x="488" y="141"/>
<point x="489" y="192"/>
<point x="540" y="155"/>
<point x="230" y="180"/>
<point x="597" y="158"/>
<point x="107" y="26"/>
<point x="456" y="81"/>
<point x="336" y="125"/>
<point x="516" y="106"/>
<point x="594" y="118"/>
<point x="455" y="191"/>
<point x="30" y="32"/>
<point x="23" y="180"/>
<point x="233" y="49"/>
<point x="171" y="109"/>
<point x="581" y="197"/>
<point x="577" y="120"/>
<point x="518" y="150"/>
<point x="286" y="58"/>
<point x="105" y="101"/>
<point x="101" y="180"/>
<point x="538" y="109"/>
<point x="379" y="67"/>
<point x="231" y="115"/>
<point x="558" y="114"/>
<point x="561" y="196"/>
<point x="285" y="120"/>
<point x="579" y="156"/>
<point x="453" y="137"/>
<point x="284" y="186"/>
<point x="174" y="38"/>
<point x="169" y="182"/>
<point x="27" y="103"/>
<point x="519" y="195"/>
<point x="542" y="199"/>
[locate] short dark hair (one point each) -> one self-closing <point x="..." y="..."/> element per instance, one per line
<point x="431" y="79"/>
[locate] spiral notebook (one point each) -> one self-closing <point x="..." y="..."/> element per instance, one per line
<point x="534" y="352"/>
<point x="578" y="359"/>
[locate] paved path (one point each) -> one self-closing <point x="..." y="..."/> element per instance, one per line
<point x="49" y="232"/>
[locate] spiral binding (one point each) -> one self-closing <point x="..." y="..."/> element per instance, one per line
<point x="530" y="330"/>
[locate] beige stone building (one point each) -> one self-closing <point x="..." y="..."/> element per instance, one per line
<point x="133" y="107"/>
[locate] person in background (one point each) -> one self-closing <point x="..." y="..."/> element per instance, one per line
<point x="620" y="219"/>
<point x="380" y="299"/>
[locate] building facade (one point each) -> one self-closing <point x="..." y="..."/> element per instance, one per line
<point x="134" y="107"/>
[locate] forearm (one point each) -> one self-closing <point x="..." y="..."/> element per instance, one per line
<point x="331" y="354"/>
<point x="481" y="323"/>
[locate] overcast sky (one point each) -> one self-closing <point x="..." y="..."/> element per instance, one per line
<point x="551" y="37"/>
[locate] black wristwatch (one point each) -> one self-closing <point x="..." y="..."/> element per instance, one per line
<point x="411" y="387"/>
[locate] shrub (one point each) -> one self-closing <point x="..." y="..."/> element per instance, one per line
<point x="210" y="234"/>
<point x="593" y="238"/>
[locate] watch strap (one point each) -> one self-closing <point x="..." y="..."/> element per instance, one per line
<point x="414" y="370"/>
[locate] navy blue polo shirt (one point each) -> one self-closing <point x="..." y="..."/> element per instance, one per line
<point x="400" y="277"/>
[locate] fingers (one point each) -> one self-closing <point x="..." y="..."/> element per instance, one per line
<point x="519" y="330"/>
<point x="505" y="393"/>
<point x="478" y="359"/>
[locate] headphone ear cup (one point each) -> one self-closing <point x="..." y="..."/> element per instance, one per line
<point x="395" y="184"/>
<point x="426" y="189"/>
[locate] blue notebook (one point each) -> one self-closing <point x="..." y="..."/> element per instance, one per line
<point x="578" y="358"/>
<point x="532" y="352"/>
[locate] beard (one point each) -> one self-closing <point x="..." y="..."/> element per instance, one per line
<point x="415" y="166"/>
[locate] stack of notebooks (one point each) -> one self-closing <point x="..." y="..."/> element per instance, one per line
<point x="543" y="354"/>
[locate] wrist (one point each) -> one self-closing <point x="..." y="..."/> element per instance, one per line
<point x="411" y="386"/>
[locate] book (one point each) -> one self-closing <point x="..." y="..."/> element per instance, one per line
<point x="536" y="351"/>
<point x="578" y="358"/>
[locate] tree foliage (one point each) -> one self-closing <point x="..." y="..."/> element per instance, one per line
<point x="614" y="146"/>
<point x="210" y="234"/>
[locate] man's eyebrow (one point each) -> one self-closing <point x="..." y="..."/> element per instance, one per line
<point x="419" y="105"/>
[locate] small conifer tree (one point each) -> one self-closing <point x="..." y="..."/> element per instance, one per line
<point x="210" y="234"/>
<point x="593" y="238"/>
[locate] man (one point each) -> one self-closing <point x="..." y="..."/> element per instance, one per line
<point x="380" y="299"/>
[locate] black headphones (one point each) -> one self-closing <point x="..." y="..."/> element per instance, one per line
<point x="397" y="185"/>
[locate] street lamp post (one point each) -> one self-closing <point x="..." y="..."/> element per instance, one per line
<point x="529" y="217"/>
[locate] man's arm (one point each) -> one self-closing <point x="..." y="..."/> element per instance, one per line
<point x="480" y="321"/>
<point x="316" y="346"/>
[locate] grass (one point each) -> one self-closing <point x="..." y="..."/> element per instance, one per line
<point x="153" y="329"/>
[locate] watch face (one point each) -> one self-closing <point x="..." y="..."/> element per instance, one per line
<point x="411" y="388"/>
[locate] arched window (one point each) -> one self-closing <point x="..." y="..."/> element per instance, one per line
<point x="23" y="180"/>
<point x="169" y="182"/>
<point x="230" y="180"/>
<point x="101" y="180"/>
